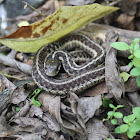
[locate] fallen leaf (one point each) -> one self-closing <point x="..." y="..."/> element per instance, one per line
<point x="125" y="76"/>
<point x="96" y="129"/>
<point x="29" y="125"/>
<point x="70" y="122"/>
<point x="114" y="84"/>
<point x="65" y="20"/>
<point x="88" y="105"/>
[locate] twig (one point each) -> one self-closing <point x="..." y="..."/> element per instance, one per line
<point x="12" y="54"/>
<point x="26" y="4"/>
<point x="16" y="64"/>
<point x="114" y="2"/>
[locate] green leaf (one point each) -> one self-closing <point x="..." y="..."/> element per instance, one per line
<point x="125" y="76"/>
<point x="138" y="81"/>
<point x="36" y="103"/>
<point x="131" y="48"/>
<point x="37" y="91"/>
<point x="114" y="121"/>
<point x="17" y="109"/>
<point x="131" y="134"/>
<point x="135" y="72"/>
<point x="106" y="102"/>
<point x="120" y="106"/>
<point x="137" y="53"/>
<point x="136" y="112"/>
<point x="136" y="47"/>
<point x="64" y="21"/>
<point x="134" y="43"/>
<point x="110" y="114"/>
<point x="121" y="129"/>
<point x="104" y="119"/>
<point x="129" y="119"/>
<point x="118" y="114"/>
<point x="136" y="40"/>
<point x="122" y="46"/>
<point x="130" y="57"/>
<point x="111" y="106"/>
<point x="136" y="62"/>
<point x="135" y="126"/>
<point x="130" y="64"/>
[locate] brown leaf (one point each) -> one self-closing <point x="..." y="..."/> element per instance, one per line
<point x="18" y="95"/>
<point x="113" y="82"/>
<point x="88" y="105"/>
<point x="51" y="104"/>
<point x="68" y="120"/>
<point x="96" y="130"/>
<point x="30" y="125"/>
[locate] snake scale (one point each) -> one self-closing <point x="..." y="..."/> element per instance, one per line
<point x="81" y="76"/>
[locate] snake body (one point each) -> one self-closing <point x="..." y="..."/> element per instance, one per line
<point x="81" y="76"/>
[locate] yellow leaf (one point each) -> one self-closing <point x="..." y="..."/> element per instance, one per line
<point x="23" y="23"/>
<point x="65" y="20"/>
<point x="125" y="76"/>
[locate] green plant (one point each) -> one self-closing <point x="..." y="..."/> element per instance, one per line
<point x="131" y="123"/>
<point x="111" y="115"/>
<point x="34" y="95"/>
<point x="135" y="58"/>
<point x="106" y="102"/>
<point x="17" y="109"/>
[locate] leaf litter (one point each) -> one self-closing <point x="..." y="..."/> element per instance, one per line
<point x="32" y="119"/>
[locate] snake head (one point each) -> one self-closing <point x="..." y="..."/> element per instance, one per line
<point x="52" y="66"/>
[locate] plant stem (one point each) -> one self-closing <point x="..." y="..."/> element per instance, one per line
<point x="26" y="4"/>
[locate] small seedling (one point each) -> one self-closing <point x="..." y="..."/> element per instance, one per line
<point x="111" y="115"/>
<point x="34" y="95"/>
<point x="131" y="123"/>
<point x="134" y="57"/>
<point x="106" y="102"/>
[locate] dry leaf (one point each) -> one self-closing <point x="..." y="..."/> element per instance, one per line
<point x="96" y="130"/>
<point x="88" y="105"/>
<point x="30" y="125"/>
<point x="113" y="82"/>
<point x="65" y="20"/>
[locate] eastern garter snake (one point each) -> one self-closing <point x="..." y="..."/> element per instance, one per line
<point x="81" y="76"/>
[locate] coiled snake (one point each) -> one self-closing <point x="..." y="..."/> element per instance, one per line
<point x="47" y="64"/>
